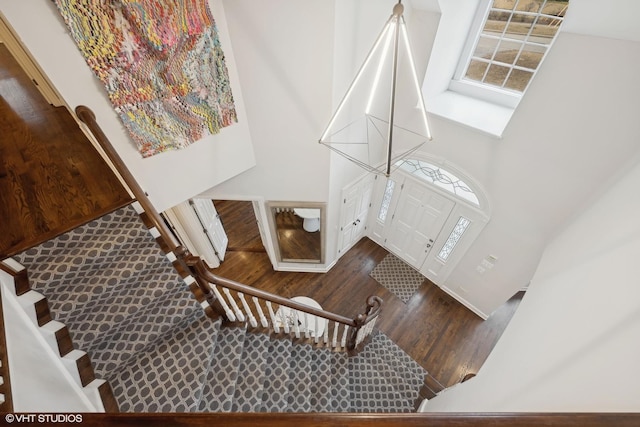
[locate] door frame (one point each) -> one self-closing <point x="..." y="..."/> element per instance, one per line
<point x="18" y="50"/>
<point x="434" y="268"/>
<point x="182" y="223"/>
<point x="391" y="223"/>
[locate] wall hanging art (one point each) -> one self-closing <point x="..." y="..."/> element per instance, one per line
<point x="162" y="66"/>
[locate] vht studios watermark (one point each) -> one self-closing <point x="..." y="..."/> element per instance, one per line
<point x="43" y="418"/>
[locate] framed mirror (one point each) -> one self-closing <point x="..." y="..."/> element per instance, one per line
<point x="298" y="231"/>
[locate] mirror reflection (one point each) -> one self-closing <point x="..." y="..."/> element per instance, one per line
<point x="298" y="231"/>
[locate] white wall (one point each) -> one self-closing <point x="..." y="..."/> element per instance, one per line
<point x="170" y="177"/>
<point x="573" y="343"/>
<point x="283" y="50"/>
<point x="39" y="380"/>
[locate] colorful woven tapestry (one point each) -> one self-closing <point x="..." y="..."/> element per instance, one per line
<point x="161" y="63"/>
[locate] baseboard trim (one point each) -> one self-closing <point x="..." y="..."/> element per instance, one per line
<point x="306" y="269"/>
<point x="466" y="303"/>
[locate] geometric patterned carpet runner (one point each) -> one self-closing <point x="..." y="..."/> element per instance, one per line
<point x="126" y="306"/>
<point x="398" y="277"/>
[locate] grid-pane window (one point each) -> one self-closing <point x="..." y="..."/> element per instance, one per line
<point x="512" y="42"/>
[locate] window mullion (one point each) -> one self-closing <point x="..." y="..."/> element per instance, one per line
<point x="505" y="49"/>
<point x="470" y="46"/>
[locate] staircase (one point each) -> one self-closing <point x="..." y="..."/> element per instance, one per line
<point x="124" y="303"/>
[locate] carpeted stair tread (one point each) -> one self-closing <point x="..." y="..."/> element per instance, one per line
<point x="370" y="391"/>
<point x="168" y="376"/>
<point x="111" y="349"/>
<point x="145" y="278"/>
<point x="384" y="374"/>
<point x="275" y="393"/>
<point x="299" y="383"/>
<point x="219" y="388"/>
<point x="75" y="265"/>
<point x="320" y="398"/>
<point x="340" y="398"/>
<point x="94" y="240"/>
<point x="249" y="386"/>
<point x="160" y="306"/>
<point x="388" y="373"/>
<point x="124" y="300"/>
<point x="408" y="369"/>
<point x="88" y="266"/>
<point x="87" y="291"/>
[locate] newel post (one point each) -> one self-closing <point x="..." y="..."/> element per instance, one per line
<point x="374" y="305"/>
<point x="194" y="266"/>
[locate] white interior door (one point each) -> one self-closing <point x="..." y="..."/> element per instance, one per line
<point x="417" y="220"/>
<point x="356" y="201"/>
<point x="212" y="225"/>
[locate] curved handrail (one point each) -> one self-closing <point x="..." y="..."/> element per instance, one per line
<point x="196" y="265"/>
<point x="239" y="287"/>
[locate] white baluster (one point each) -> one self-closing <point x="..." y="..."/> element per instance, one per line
<point x="236" y="309"/>
<point x="283" y="318"/>
<point x="272" y="315"/>
<point x="296" y="326"/>
<point x="252" y="319"/>
<point x="305" y="323"/>
<point x="364" y="332"/>
<point x="223" y="303"/>
<point x="334" y="341"/>
<point x="263" y="320"/>
<point x="326" y="331"/>
<point x="316" y="321"/>
<point x="343" y="342"/>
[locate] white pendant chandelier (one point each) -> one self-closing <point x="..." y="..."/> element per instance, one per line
<point x="382" y="117"/>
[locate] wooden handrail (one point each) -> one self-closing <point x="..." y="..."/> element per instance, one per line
<point x="368" y="420"/>
<point x="86" y="115"/>
<point x="196" y="265"/>
<point x="239" y="287"/>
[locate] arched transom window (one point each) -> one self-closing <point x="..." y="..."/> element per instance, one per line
<point x="440" y="178"/>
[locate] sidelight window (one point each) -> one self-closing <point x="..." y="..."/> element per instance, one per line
<point x="386" y="200"/>
<point x="454" y="238"/>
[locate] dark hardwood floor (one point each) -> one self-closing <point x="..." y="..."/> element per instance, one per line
<point x="51" y="177"/>
<point x="242" y="232"/>
<point x="52" y="180"/>
<point x="294" y="241"/>
<point x="437" y="331"/>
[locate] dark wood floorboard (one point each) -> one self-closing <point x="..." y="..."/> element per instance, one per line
<point x="437" y="331"/>
<point x="294" y="241"/>
<point x="244" y="235"/>
<point x="51" y="178"/>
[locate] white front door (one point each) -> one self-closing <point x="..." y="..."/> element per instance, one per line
<point x="418" y="217"/>
<point x="212" y="225"/>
